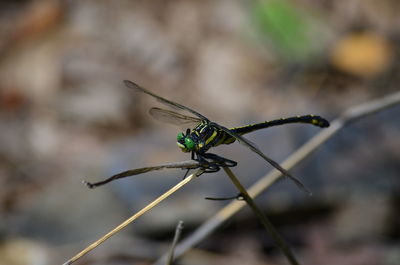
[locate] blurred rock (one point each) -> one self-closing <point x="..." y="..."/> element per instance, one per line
<point x="362" y="218"/>
<point x="364" y="54"/>
<point x="22" y="251"/>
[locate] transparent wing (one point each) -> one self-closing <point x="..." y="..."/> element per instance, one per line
<point x="172" y="117"/>
<point x="132" y="172"/>
<point x="252" y="147"/>
<point x="172" y="104"/>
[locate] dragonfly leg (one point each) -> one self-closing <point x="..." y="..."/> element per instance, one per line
<point x="208" y="166"/>
<point x="186" y="173"/>
<point x="238" y="197"/>
<point x="219" y="160"/>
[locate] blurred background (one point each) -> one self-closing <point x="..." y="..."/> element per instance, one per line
<point x="65" y="116"/>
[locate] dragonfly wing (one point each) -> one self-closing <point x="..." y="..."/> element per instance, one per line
<point x="252" y="147"/>
<point x="172" y="104"/>
<point x="172" y="117"/>
<point x="124" y="174"/>
<point x="132" y="172"/>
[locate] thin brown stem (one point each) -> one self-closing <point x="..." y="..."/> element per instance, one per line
<point x="263" y="218"/>
<point x="177" y="236"/>
<point x="133" y="217"/>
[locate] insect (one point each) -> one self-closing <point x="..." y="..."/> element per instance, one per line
<point x="207" y="134"/>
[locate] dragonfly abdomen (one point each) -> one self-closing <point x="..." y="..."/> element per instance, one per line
<point x="308" y="119"/>
<point x="213" y="136"/>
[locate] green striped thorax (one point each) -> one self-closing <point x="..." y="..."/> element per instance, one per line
<point x="201" y="138"/>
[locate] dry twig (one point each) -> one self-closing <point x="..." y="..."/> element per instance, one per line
<point x="177" y="236"/>
<point x="263" y="218"/>
<point x="134" y="217"/>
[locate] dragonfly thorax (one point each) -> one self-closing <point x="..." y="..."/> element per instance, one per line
<point x="202" y="138"/>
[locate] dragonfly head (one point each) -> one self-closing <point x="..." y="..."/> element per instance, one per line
<point x="185" y="142"/>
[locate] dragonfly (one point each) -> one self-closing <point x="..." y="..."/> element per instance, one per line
<point x="208" y="134"/>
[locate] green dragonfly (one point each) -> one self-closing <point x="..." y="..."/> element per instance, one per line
<point x="207" y="134"/>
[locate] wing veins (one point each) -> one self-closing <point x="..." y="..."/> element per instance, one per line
<point x="132" y="172"/>
<point x="170" y="103"/>
<point x="172" y="117"/>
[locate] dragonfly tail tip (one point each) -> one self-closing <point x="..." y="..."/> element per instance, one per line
<point x="88" y="184"/>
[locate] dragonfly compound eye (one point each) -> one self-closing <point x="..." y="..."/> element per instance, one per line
<point x="180" y="136"/>
<point x="189" y="143"/>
